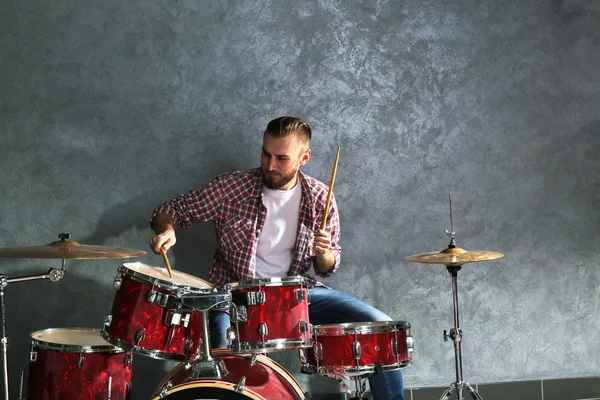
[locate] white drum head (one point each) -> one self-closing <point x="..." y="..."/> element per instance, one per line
<point x="179" y="278"/>
<point x="72" y="340"/>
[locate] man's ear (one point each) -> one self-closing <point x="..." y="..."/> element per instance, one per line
<point x="305" y="157"/>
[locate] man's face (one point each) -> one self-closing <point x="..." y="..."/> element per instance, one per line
<point x="281" y="158"/>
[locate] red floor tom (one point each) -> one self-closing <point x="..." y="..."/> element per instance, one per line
<point x="248" y="377"/>
<point x="149" y="316"/>
<point x="77" y="363"/>
<point x="269" y="314"/>
<point x="358" y="349"/>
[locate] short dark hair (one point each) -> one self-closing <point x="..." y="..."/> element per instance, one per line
<point x="285" y="126"/>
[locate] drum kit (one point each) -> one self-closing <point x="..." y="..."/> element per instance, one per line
<point x="163" y="314"/>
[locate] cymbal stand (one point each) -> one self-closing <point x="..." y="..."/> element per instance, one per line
<point x="456" y="336"/>
<point x="54" y="275"/>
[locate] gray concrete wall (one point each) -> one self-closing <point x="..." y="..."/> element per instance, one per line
<point x="108" y="108"/>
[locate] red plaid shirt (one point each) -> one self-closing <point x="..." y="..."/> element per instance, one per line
<point x="233" y="201"/>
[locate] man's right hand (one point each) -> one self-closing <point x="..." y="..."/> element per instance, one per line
<point x="165" y="233"/>
<point x="163" y="241"/>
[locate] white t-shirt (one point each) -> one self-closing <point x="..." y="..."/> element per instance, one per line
<point x="277" y="240"/>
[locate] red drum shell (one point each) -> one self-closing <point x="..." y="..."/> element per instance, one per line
<point x="55" y="375"/>
<point x="386" y="343"/>
<point x="132" y="313"/>
<point x="265" y="380"/>
<point x="282" y="312"/>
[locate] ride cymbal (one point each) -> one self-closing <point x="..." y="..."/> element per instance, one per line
<point x="454" y="256"/>
<point x="68" y="249"/>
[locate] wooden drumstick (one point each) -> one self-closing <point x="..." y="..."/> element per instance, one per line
<point x="164" y="255"/>
<point x="332" y="182"/>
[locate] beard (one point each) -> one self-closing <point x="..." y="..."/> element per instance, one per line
<point x="275" y="180"/>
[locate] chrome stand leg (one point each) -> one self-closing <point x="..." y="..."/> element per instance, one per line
<point x="456" y="336"/>
<point x="4" y="338"/>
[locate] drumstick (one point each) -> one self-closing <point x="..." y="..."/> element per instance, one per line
<point x="332" y="182"/>
<point x="164" y="255"/>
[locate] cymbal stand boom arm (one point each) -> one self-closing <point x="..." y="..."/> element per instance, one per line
<point x="54" y="275"/>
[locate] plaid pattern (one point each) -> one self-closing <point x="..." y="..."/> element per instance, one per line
<point x="233" y="201"/>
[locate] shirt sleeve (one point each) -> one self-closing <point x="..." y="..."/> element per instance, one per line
<point x="333" y="227"/>
<point x="197" y="205"/>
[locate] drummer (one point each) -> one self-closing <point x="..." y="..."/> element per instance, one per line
<point x="267" y="223"/>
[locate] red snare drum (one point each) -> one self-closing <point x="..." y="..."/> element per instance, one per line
<point x="357" y="349"/>
<point x="148" y="316"/>
<point x="261" y="379"/>
<point x="269" y="314"/>
<point x="76" y="363"/>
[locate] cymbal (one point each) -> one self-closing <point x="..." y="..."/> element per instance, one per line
<point x="454" y="256"/>
<point x="69" y="249"/>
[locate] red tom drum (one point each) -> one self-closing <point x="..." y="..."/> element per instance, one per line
<point x="77" y="363"/>
<point x="148" y="315"/>
<point x="269" y="314"/>
<point x="247" y="377"/>
<point x="358" y="349"/>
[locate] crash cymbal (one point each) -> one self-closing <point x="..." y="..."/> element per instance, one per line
<point x="68" y="249"/>
<point x="454" y="256"/>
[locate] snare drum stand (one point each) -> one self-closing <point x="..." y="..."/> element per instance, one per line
<point x="54" y="275"/>
<point x="359" y="393"/>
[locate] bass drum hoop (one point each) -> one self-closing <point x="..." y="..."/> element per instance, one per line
<point x="204" y="383"/>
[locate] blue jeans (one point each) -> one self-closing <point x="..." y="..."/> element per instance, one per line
<point x="329" y="306"/>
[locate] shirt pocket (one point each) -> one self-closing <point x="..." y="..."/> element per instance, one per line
<point x="236" y="233"/>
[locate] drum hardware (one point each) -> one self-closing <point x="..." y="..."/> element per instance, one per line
<point x="139" y="336"/>
<point x="303" y="326"/>
<point x="80" y="361"/>
<point x="252" y="360"/>
<point x="207" y="366"/>
<point x="263" y="331"/>
<point x="254" y="298"/>
<point x="241" y="385"/>
<point x="21" y="387"/>
<point x="454" y="257"/>
<point x="300" y="295"/>
<point x="109" y="386"/>
<point x="164" y="391"/>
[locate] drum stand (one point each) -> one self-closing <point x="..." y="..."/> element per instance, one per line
<point x="54" y="275"/>
<point x="456" y="336"/>
<point x="361" y="388"/>
<point x="207" y="366"/>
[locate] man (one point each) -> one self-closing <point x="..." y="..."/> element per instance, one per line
<point x="267" y="223"/>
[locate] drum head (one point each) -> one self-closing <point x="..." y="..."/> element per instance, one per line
<point x="285" y="281"/>
<point x="149" y="273"/>
<point x="69" y="340"/>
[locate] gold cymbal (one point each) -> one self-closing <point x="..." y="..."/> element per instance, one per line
<point x="454" y="256"/>
<point x="68" y="249"/>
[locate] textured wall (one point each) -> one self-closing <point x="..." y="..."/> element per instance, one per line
<point x="108" y="108"/>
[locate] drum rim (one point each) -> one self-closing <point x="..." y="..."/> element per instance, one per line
<point x="72" y="348"/>
<point x="170" y="286"/>
<point x="283" y="281"/>
<point x="359" y="328"/>
<point x="352" y="371"/>
<point x="270" y="346"/>
<point x="156" y="354"/>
